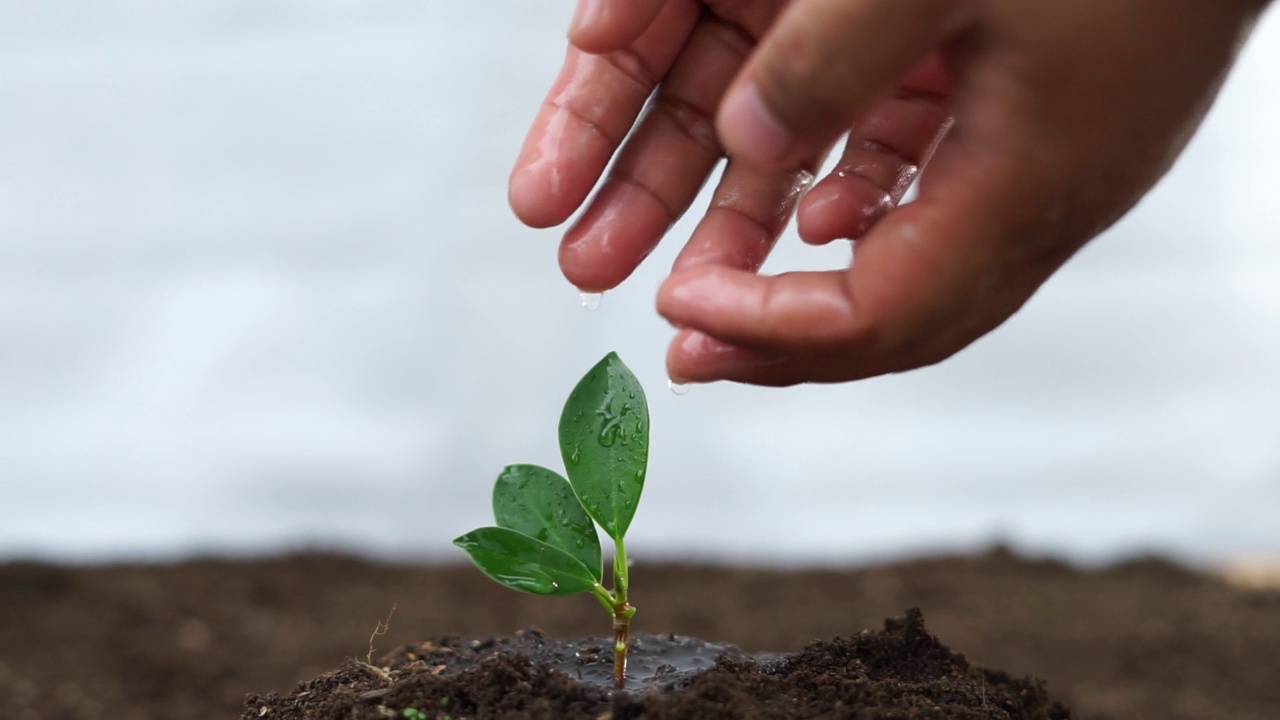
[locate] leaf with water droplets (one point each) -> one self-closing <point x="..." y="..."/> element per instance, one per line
<point x="538" y="502"/>
<point x="605" y="443"/>
<point x="522" y="563"/>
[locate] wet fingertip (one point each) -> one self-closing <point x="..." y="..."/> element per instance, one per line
<point x="695" y="358"/>
<point x="528" y="201"/>
<point x="832" y="216"/>
<point x="678" y="367"/>
<point x="813" y="223"/>
<point x="582" y="265"/>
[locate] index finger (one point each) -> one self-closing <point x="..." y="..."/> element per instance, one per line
<point x="588" y="111"/>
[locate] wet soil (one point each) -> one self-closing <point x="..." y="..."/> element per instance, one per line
<point x="902" y="672"/>
<point x="1144" y="639"/>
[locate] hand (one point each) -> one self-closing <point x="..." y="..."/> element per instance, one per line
<point x="1065" y="113"/>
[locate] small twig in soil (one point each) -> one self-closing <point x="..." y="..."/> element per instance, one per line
<point x="380" y="629"/>
<point x="373" y="670"/>
<point x="373" y="694"/>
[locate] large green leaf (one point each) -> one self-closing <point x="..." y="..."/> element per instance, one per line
<point x="522" y="563"/>
<point x="604" y="438"/>
<point x="537" y="502"/>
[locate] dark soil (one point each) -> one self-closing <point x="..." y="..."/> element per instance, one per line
<point x="1145" y="639"/>
<point x="902" y="672"/>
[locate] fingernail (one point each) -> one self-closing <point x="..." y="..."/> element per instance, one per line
<point x="585" y="15"/>
<point x="751" y="130"/>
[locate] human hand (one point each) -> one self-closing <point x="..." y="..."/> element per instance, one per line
<point x="1065" y="114"/>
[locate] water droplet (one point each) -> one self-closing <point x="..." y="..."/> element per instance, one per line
<point x="574" y="456"/>
<point x="608" y="434"/>
<point x="610" y="424"/>
<point x="555" y="584"/>
<point x="678" y="388"/>
<point x="590" y="300"/>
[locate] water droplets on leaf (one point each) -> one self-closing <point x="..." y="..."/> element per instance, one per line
<point x="609" y="432"/>
<point x="610" y="422"/>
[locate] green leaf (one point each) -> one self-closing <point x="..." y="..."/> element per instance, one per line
<point x="604" y="438"/>
<point x="522" y="563"/>
<point x="539" y="503"/>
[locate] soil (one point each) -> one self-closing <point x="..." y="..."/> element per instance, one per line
<point x="902" y="672"/>
<point x="1145" y="639"/>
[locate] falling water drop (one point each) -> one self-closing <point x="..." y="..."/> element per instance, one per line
<point x="677" y="388"/>
<point x="590" y="300"/>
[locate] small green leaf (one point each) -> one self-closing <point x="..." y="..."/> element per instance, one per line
<point x="539" y="503"/>
<point x="522" y="563"/>
<point x="604" y="438"/>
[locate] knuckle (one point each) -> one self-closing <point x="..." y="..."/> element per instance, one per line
<point x="691" y="121"/>
<point x="632" y="65"/>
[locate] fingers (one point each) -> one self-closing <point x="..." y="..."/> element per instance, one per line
<point x="662" y="166"/>
<point x="748" y="212"/>
<point x="824" y="63"/>
<point x="792" y="312"/>
<point x="588" y="111"/>
<point x="882" y="157"/>
<point x="927" y="280"/>
<point x="600" y="26"/>
<point x="697" y="357"/>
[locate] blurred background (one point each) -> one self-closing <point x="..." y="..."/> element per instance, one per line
<point x="260" y="290"/>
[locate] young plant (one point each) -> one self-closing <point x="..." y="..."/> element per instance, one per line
<point x="545" y="541"/>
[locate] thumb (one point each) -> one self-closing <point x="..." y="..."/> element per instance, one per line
<point x="820" y="67"/>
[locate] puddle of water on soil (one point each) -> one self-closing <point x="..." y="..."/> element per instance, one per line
<point x="653" y="661"/>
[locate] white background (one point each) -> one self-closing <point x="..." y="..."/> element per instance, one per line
<point x="259" y="289"/>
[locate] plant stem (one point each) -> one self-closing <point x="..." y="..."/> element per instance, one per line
<point x="622" y="613"/>
<point x="604" y="596"/>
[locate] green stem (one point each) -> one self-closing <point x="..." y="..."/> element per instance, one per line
<point x="622" y="613"/>
<point x="620" y="580"/>
<point x="604" y="596"/>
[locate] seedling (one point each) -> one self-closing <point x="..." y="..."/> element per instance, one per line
<point x="545" y="541"/>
